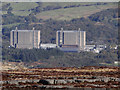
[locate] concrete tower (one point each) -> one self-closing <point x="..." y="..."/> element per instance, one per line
<point x="74" y="38"/>
<point x="25" y="38"/>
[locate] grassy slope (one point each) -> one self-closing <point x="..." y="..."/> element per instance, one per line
<point x="24" y="6"/>
<point x="59" y="14"/>
<point x="17" y="7"/>
<point x="10" y="25"/>
<point x="63" y="4"/>
<point x="77" y="12"/>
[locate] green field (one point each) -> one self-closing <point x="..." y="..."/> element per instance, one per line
<point x="21" y="13"/>
<point x="21" y="8"/>
<point x="63" y="4"/>
<point x="76" y="12"/>
<point x="10" y="25"/>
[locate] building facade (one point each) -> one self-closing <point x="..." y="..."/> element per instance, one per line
<point x="25" y="39"/>
<point x="71" y="39"/>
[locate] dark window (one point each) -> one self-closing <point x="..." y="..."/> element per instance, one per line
<point x="63" y="38"/>
<point x="17" y="37"/>
<point x="13" y="37"/>
<point x="15" y="45"/>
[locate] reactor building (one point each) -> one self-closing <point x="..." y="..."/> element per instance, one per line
<point x="74" y="40"/>
<point x="25" y="39"/>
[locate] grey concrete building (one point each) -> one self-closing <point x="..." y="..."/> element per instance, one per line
<point x="25" y="39"/>
<point x="71" y="39"/>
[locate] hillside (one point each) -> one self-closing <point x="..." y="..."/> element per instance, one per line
<point x="20" y="9"/>
<point x="76" y="10"/>
<point x="57" y="11"/>
<point x="101" y="28"/>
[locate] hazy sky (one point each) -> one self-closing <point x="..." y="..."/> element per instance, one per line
<point x="60" y="0"/>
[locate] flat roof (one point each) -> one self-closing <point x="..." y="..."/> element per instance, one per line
<point x="26" y="30"/>
<point x="71" y="31"/>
